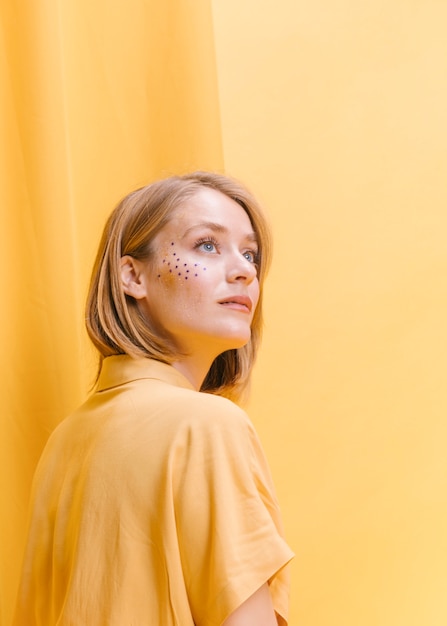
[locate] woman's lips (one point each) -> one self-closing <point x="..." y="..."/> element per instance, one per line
<point x="238" y="303"/>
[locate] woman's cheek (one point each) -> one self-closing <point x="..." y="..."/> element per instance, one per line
<point x="175" y="267"/>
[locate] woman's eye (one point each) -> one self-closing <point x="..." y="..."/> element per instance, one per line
<point x="251" y="256"/>
<point x="207" y="245"/>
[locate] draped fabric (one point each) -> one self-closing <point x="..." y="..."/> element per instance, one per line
<point x="97" y="98"/>
<point x="333" y="113"/>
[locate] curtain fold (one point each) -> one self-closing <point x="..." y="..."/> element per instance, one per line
<point x="96" y="99"/>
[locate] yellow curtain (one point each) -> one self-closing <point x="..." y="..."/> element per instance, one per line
<point x="97" y="98"/>
<point x="334" y="113"/>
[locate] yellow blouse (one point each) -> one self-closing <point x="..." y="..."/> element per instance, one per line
<point x="152" y="505"/>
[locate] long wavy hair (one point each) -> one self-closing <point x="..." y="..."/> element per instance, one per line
<point x="114" y="322"/>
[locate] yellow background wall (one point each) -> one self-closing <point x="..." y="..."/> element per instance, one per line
<point x="333" y="112"/>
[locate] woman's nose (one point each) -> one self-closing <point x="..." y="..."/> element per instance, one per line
<point x="241" y="269"/>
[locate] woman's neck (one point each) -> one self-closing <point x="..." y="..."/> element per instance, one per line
<point x="193" y="369"/>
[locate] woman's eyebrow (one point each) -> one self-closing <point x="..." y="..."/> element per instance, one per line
<point x="218" y="228"/>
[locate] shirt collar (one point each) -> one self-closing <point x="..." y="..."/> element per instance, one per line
<point x="120" y="369"/>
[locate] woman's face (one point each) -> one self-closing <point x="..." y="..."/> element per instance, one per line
<point x="201" y="284"/>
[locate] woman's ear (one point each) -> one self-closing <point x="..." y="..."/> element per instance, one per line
<point x="132" y="277"/>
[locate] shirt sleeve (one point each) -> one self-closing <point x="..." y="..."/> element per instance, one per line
<point x="228" y="520"/>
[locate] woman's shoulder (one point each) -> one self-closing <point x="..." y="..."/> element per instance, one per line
<point x="166" y="395"/>
<point x="203" y="409"/>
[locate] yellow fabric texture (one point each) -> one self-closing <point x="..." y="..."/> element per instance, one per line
<point x="96" y="99"/>
<point x="152" y="504"/>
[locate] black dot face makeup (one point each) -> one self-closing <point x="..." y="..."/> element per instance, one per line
<point x="178" y="265"/>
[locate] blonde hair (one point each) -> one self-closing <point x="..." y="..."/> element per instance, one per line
<point x="114" y="322"/>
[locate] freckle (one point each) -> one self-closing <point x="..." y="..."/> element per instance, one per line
<point x="195" y="264"/>
<point x="179" y="274"/>
<point x="185" y="264"/>
<point x="164" y="260"/>
<point x="169" y="262"/>
<point x="172" y="243"/>
<point x="170" y="271"/>
<point x="176" y="267"/>
<point x="159" y="276"/>
<point x="186" y="278"/>
<point x="187" y="271"/>
<point x="174" y="254"/>
<point x="178" y="260"/>
<point x="195" y="274"/>
<point x="204" y="268"/>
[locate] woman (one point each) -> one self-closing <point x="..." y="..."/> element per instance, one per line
<point x="153" y="503"/>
